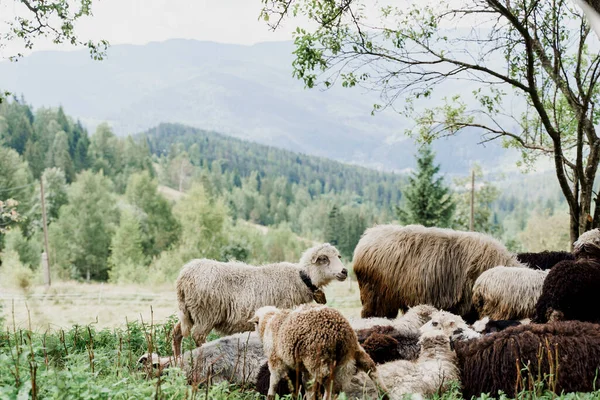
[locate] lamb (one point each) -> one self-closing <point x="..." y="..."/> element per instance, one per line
<point x="485" y="325"/>
<point x="236" y="359"/>
<point x="411" y="320"/>
<point x="315" y="339"/>
<point x="433" y="372"/>
<point x="502" y="293"/>
<point x="489" y="364"/>
<point x="450" y="325"/>
<point x="570" y="289"/>
<point x="544" y="260"/>
<point x="398" y="267"/>
<point x="224" y="296"/>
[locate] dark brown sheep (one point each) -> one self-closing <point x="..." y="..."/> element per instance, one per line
<point x="544" y="260"/>
<point x="385" y="344"/>
<point x="570" y="292"/>
<point x="489" y="364"/>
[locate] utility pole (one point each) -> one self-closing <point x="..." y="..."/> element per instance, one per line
<point x="47" y="263"/>
<point x="472" y="219"/>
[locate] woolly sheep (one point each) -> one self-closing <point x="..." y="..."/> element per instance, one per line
<point x="411" y="320"/>
<point x="431" y="373"/>
<point x="489" y="364"/>
<point x="398" y="267"/>
<point x="316" y="339"/>
<point x="224" y="296"/>
<point x="236" y="358"/>
<point x="486" y="325"/>
<point x="450" y="325"/>
<point x="544" y="260"/>
<point x="503" y="293"/>
<point x="570" y="290"/>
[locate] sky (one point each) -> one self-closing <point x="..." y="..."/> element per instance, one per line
<point x="143" y="21"/>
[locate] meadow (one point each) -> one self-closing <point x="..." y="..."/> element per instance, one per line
<point x="82" y="341"/>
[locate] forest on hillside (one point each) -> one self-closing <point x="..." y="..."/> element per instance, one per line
<point x="135" y="209"/>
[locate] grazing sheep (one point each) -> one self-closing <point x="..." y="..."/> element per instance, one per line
<point x="411" y="320"/>
<point x="224" y="296"/>
<point x="486" y="326"/>
<point x="315" y="339"/>
<point x="236" y="358"/>
<point x="544" y="260"/>
<point x="489" y="364"/>
<point x="431" y="373"/>
<point x="503" y="293"/>
<point x="398" y="267"/>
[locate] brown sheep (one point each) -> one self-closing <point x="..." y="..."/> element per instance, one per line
<point x="398" y="267"/>
<point x="316" y="340"/>
<point x="489" y="364"/>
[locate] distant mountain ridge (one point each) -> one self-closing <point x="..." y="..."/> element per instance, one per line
<point x="243" y="91"/>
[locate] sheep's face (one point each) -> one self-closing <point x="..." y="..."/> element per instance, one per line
<point x="324" y="264"/>
<point x="588" y="244"/>
<point x="261" y="318"/>
<point x="451" y="325"/>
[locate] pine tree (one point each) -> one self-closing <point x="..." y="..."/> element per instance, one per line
<point x="428" y="199"/>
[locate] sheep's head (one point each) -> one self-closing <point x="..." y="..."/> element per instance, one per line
<point x="422" y="311"/>
<point x="453" y="326"/>
<point x="323" y="264"/>
<point x="261" y="318"/>
<point x="587" y="245"/>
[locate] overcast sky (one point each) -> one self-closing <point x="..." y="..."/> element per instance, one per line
<point x="143" y="21"/>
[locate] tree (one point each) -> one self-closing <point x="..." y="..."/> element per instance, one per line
<point x="81" y="236"/>
<point x="16" y="183"/>
<point x="104" y="152"/>
<point x="428" y="199"/>
<point x="127" y="255"/>
<point x="159" y="226"/>
<point x="56" y="19"/>
<point x="59" y="156"/>
<point x="534" y="76"/>
<point x="546" y="232"/>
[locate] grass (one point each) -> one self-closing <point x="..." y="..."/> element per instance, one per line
<point x="79" y="341"/>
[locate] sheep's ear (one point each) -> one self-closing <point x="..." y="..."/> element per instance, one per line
<point x="254" y="320"/>
<point x="314" y="259"/>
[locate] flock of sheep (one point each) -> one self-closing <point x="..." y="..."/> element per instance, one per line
<point x="472" y="313"/>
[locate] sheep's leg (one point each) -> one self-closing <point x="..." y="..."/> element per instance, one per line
<point x="199" y="334"/>
<point x="275" y="368"/>
<point x="366" y="364"/>
<point x="177" y="339"/>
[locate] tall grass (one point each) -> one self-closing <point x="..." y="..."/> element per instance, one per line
<point x="86" y="363"/>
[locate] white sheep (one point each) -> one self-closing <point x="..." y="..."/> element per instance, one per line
<point x="508" y="293"/>
<point x="236" y="359"/>
<point x="431" y="373"/>
<point x="224" y="295"/>
<point x="315" y="339"/>
<point x="453" y="326"/>
<point x="410" y="321"/>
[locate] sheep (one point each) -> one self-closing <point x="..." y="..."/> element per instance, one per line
<point x="570" y="292"/>
<point x="451" y="325"/>
<point x="315" y="339"/>
<point x="411" y="320"/>
<point x="485" y="325"/>
<point x="384" y="343"/>
<point x="431" y="373"/>
<point x="489" y="364"/>
<point x="236" y="358"/>
<point x="544" y="260"/>
<point x="224" y="296"/>
<point x="570" y="289"/>
<point x="502" y="293"/>
<point x="398" y="267"/>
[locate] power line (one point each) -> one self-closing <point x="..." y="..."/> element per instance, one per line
<point x="17" y="187"/>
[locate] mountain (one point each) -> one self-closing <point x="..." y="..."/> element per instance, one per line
<point x="243" y="91"/>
